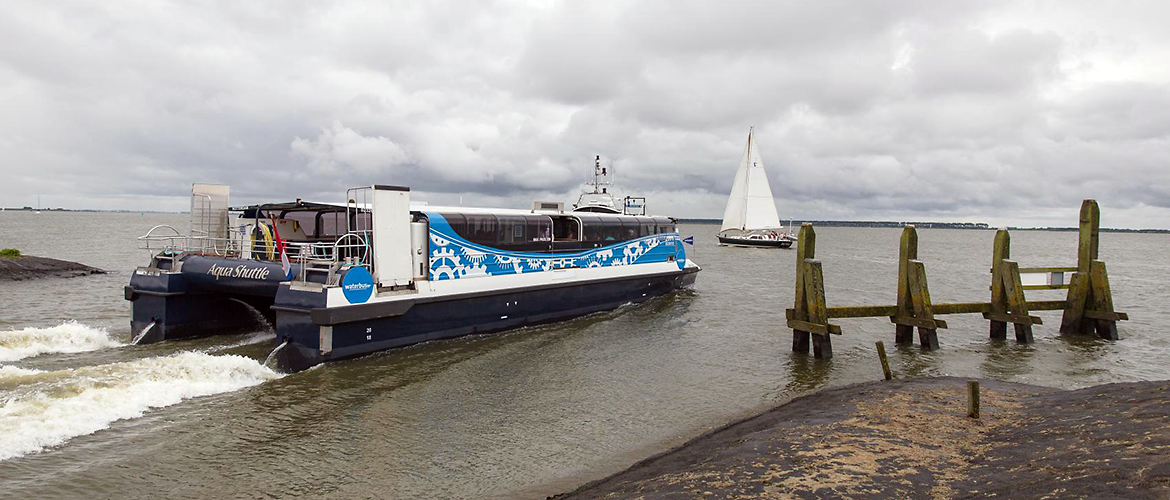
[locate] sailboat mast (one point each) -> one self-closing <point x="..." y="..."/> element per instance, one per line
<point x="743" y="214"/>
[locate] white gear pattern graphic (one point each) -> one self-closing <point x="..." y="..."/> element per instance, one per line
<point x="454" y="258"/>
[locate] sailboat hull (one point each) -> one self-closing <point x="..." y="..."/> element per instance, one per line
<point x="745" y="242"/>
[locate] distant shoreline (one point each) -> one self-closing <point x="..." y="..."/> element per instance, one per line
<point x="982" y="226"/>
<point x="86" y="210"/>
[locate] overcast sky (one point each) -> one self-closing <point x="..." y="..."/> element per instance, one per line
<point x="1001" y="112"/>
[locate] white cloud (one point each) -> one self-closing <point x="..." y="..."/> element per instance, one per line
<point x="339" y="148"/>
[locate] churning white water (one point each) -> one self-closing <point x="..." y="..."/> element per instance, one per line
<point x="43" y="409"/>
<point x="68" y="337"/>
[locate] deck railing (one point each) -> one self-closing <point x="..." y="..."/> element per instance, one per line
<point x="350" y="249"/>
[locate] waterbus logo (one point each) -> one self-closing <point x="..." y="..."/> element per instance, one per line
<point x="357" y="285"/>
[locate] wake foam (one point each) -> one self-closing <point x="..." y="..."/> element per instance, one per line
<point x="68" y="337"/>
<point x="53" y="407"/>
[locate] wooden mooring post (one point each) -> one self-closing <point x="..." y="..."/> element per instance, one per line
<point x="1088" y="307"/>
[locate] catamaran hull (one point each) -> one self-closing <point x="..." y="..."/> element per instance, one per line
<point x="204" y="295"/>
<point x="777" y="243"/>
<point x="301" y="319"/>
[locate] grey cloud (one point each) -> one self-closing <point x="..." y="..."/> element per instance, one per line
<point x="911" y="108"/>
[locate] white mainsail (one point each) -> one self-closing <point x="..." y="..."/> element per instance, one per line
<point x="751" y="205"/>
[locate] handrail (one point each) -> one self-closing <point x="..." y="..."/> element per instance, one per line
<point x="351" y="248"/>
<point x="150" y="234"/>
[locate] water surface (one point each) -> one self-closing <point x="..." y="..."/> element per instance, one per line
<point x="523" y="414"/>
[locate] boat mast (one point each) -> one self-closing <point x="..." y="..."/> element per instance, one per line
<point x="597" y="173"/>
<point x="747" y="180"/>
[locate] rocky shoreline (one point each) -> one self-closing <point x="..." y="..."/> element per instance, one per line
<point x="26" y="267"/>
<point x="912" y="439"/>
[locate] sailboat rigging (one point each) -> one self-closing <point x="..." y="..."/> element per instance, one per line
<point x="750" y="218"/>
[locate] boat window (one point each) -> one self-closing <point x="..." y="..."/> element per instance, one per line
<point x="630" y="229"/>
<point x="458" y="223"/>
<point x="531" y="233"/>
<point x="665" y="225"/>
<point x="566" y="228"/>
<point x="611" y="229"/>
<point x="332" y="224"/>
<point x="539" y="228"/>
<point x="510" y="231"/>
<point x="646" y="226"/>
<point x="591" y="228"/>
<point x="306" y="220"/>
<point x="481" y="229"/>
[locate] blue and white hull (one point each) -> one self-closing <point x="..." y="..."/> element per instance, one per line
<point x="474" y="289"/>
<point x="406" y="276"/>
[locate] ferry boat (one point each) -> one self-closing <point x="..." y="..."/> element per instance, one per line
<point x="378" y="272"/>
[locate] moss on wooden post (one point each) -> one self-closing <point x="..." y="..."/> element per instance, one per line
<point x="920" y="295"/>
<point x="1089" y="235"/>
<point x="907" y="251"/>
<point x="881" y="350"/>
<point x="806" y="243"/>
<point x="1073" y="319"/>
<point x="1102" y="300"/>
<point x="1089" y="306"/>
<point x="1009" y="273"/>
<point x="1000" y="250"/>
<point x="814" y="292"/>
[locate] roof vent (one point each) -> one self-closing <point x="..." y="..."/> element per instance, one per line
<point x="548" y="206"/>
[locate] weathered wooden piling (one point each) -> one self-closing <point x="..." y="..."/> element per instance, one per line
<point x="1088" y="308"/>
<point x="907" y="251"/>
<point x="914" y="307"/>
<point x="1090" y="301"/>
<point x="973" y="398"/>
<point x="1011" y="301"/>
<point x="881" y="350"/>
<point x="806" y="243"/>
<point x="1000" y="251"/>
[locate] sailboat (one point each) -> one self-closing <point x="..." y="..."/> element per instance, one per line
<point x="750" y="218"/>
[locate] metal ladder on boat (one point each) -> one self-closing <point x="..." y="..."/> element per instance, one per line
<point x="324" y="267"/>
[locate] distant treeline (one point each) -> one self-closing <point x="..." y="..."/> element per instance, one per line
<point x="936" y="225"/>
<point x="863" y="223"/>
<point x="83" y="210"/>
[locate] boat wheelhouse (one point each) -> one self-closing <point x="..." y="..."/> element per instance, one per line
<point x="378" y="272"/>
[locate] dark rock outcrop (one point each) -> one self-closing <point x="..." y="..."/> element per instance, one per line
<point x="912" y="439"/>
<point x="28" y="267"/>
